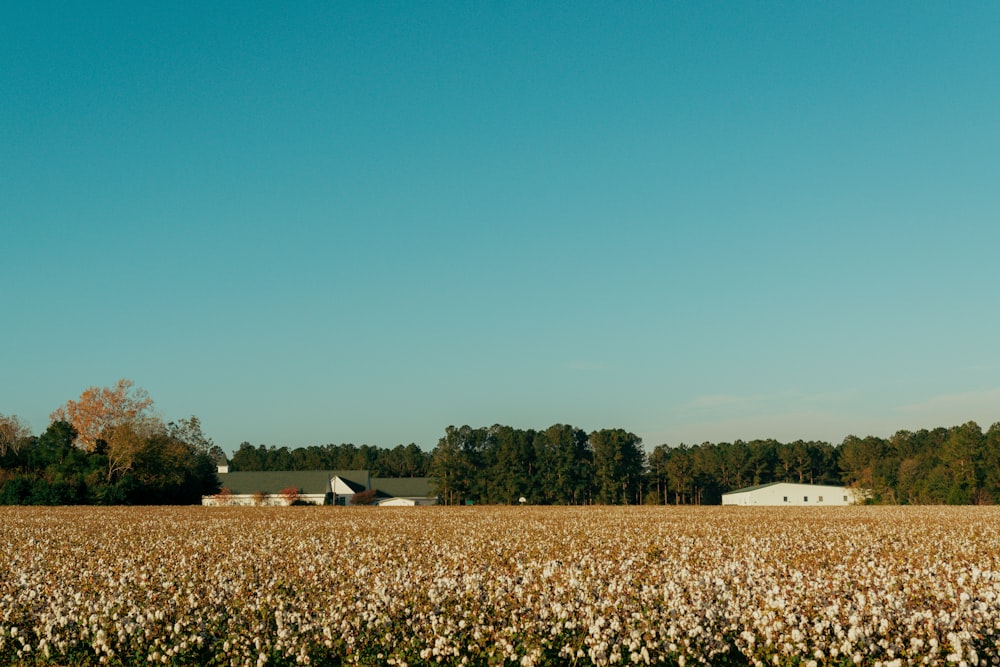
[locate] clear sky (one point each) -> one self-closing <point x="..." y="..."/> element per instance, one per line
<point x="321" y="222"/>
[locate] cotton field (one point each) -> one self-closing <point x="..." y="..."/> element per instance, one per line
<point x="261" y="586"/>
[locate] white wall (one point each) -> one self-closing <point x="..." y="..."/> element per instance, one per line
<point x="340" y="487"/>
<point x="407" y="502"/>
<point x="800" y="495"/>
<point x="246" y="499"/>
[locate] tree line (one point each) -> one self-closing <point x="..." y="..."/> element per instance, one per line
<point x="109" y="447"/>
<point x="565" y="465"/>
<point x="106" y="448"/>
<point x="495" y="465"/>
<point x="400" y="461"/>
<point x="560" y="465"/>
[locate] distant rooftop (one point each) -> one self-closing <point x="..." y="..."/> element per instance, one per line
<point x="274" y="481"/>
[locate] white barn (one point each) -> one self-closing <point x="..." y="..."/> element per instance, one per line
<point x="797" y="495"/>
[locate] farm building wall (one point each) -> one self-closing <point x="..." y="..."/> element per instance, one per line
<point x="268" y="500"/>
<point x="788" y="494"/>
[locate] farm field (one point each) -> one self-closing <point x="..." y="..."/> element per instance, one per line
<point x="489" y="585"/>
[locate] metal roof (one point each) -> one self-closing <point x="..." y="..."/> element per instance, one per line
<point x="274" y="481"/>
<point x="403" y="487"/>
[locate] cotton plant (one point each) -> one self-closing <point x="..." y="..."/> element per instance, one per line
<point x="250" y="587"/>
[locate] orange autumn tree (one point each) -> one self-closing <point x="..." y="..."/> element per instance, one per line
<point x="107" y="413"/>
<point x="116" y="421"/>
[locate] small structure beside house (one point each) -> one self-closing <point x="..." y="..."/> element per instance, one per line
<point x="403" y="491"/>
<point x="797" y="495"/>
<point x="317" y="487"/>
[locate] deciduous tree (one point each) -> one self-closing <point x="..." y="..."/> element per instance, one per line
<point x="123" y="443"/>
<point x="14" y="433"/>
<point x="100" y="410"/>
<point x="363" y="497"/>
<point x="189" y="431"/>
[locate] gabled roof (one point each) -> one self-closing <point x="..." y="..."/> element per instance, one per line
<point x="752" y="488"/>
<point x="274" y="481"/>
<point x="403" y="487"/>
<point x="353" y="485"/>
<point x="317" y="482"/>
<point x="794" y="484"/>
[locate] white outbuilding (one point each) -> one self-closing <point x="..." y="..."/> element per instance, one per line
<point x="786" y="493"/>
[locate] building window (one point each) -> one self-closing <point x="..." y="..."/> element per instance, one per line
<point x="785" y="498"/>
<point x="805" y="499"/>
<point x="820" y="499"/>
<point x="845" y="499"/>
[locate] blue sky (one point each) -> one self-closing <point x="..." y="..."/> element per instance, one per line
<point x="332" y="222"/>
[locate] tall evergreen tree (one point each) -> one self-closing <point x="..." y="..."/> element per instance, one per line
<point x="619" y="462"/>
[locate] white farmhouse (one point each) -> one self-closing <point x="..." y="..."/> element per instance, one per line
<point x="786" y="493"/>
<point x="319" y="487"/>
